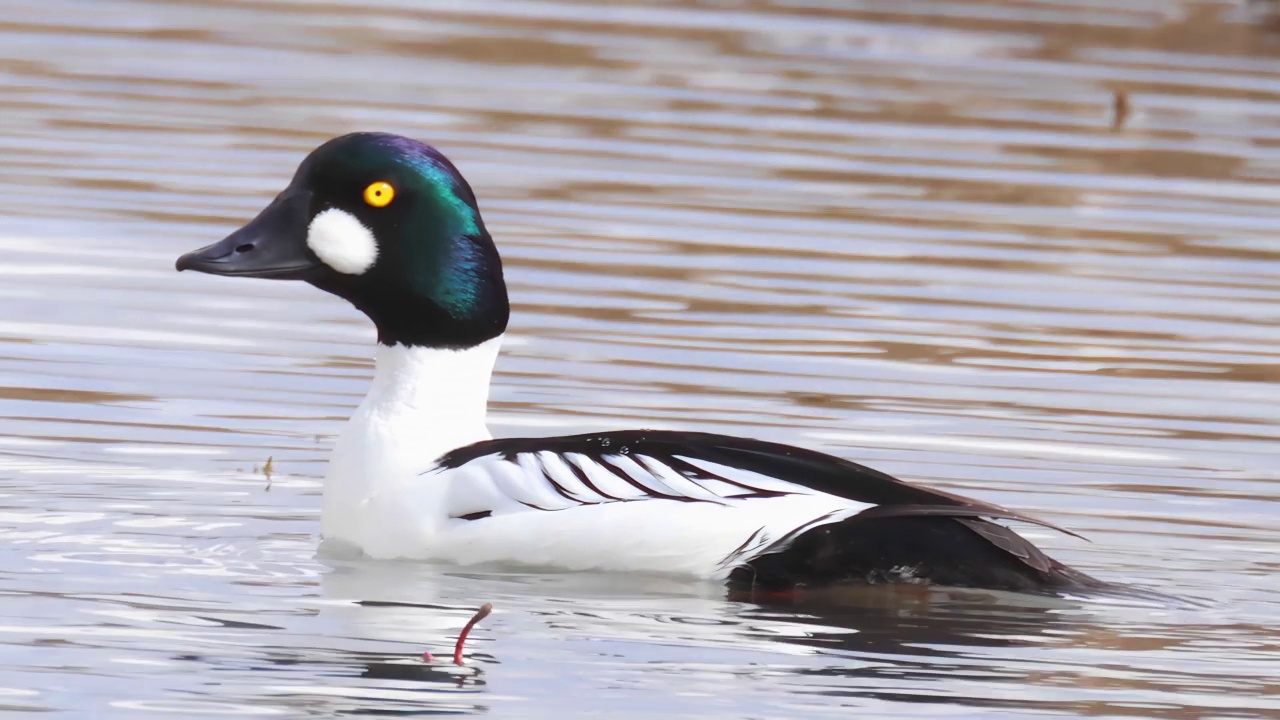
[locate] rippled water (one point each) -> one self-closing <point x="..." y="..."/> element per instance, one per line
<point x="1024" y="250"/>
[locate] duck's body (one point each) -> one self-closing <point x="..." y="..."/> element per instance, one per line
<point x="415" y="474"/>
<point x="389" y="224"/>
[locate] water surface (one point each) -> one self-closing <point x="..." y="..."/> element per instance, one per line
<point x="1022" y="250"/>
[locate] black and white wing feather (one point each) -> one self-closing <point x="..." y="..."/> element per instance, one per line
<point x="753" y="495"/>
<point x="558" y="473"/>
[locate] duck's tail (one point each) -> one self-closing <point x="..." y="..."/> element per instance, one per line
<point x="904" y="547"/>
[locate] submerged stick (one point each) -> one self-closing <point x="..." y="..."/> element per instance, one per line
<point x="481" y="614"/>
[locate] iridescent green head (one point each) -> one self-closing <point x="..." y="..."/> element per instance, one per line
<point x="387" y="223"/>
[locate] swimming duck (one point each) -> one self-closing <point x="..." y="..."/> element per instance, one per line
<point x="390" y="225"/>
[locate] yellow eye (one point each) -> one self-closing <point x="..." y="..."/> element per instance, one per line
<point x="379" y="194"/>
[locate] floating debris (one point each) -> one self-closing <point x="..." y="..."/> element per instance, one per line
<point x="1119" y="110"/>
<point x="267" y="470"/>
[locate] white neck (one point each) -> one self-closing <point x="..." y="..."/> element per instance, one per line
<point x="424" y="402"/>
<point x="439" y="396"/>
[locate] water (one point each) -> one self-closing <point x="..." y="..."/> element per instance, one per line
<point x="913" y="234"/>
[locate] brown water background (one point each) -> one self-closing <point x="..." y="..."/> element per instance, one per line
<point x="1022" y="250"/>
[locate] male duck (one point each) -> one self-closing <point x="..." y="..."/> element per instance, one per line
<point x="390" y="225"/>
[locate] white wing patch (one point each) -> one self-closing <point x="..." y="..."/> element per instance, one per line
<point x="613" y="510"/>
<point x="551" y="481"/>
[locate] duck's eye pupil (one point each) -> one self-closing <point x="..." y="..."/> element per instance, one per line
<point x="379" y="194"/>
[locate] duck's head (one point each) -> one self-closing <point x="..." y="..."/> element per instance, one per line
<point x="390" y="225"/>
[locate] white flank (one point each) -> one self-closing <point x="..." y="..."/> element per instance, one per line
<point x="639" y="534"/>
<point x="342" y="242"/>
<point x="424" y="402"/>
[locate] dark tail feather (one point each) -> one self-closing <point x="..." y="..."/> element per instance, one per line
<point x="960" y="511"/>
<point x="1010" y="542"/>
<point x="921" y="546"/>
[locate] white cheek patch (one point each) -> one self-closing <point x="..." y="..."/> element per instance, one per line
<point x="342" y="242"/>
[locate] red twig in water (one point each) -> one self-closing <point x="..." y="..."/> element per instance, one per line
<point x="481" y="614"/>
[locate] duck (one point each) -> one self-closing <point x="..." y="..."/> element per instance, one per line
<point x="390" y="225"/>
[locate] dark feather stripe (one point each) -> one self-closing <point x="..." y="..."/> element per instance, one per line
<point x="734" y="555"/>
<point x="783" y="543"/>
<point x="786" y="540"/>
<point x="648" y="464"/>
<point x="582" y="477"/>
<point x="693" y="472"/>
<point x="546" y="475"/>
<point x="568" y="494"/>
<point x="539" y="507"/>
<point x="652" y="492"/>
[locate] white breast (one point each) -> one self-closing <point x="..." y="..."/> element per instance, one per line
<point x="423" y="403"/>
